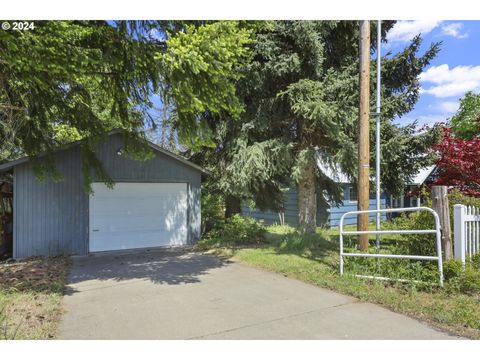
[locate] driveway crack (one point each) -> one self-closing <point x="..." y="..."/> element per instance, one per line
<point x="272" y="320"/>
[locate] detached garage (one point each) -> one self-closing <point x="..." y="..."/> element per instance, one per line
<point x="153" y="203"/>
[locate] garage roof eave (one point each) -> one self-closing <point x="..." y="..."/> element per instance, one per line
<point x="11" y="164"/>
<point x="179" y="158"/>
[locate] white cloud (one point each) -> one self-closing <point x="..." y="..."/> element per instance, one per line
<point x="453" y="29"/>
<point x="407" y="29"/>
<point x="429" y="120"/>
<point x="448" y="106"/>
<point x="450" y="82"/>
<point x="444" y="107"/>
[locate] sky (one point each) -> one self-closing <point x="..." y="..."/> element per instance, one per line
<point x="453" y="72"/>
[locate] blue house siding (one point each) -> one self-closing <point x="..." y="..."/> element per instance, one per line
<point x="337" y="212"/>
<point x="270" y="217"/>
<point x="326" y="214"/>
<point x="351" y="205"/>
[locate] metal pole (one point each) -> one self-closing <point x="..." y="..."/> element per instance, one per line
<point x="341" y="245"/>
<point x="377" y="140"/>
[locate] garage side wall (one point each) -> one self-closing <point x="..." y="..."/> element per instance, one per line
<point x="50" y="217"/>
<point x="161" y="168"/>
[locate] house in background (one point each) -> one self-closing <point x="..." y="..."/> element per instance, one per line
<point x="328" y="214"/>
<point x="411" y="197"/>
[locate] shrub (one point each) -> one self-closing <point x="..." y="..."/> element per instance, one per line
<point x="415" y="244"/>
<point x="296" y="241"/>
<point x="474" y="262"/>
<point x="470" y="281"/>
<point x="237" y="230"/>
<point x="459" y="279"/>
<point x="452" y="269"/>
<point x="212" y="210"/>
<point x="425" y="244"/>
<point x="456" y="197"/>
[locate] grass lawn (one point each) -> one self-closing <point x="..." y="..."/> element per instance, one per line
<point x="31" y="293"/>
<point x="314" y="259"/>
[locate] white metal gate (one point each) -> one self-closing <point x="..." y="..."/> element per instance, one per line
<point x="435" y="231"/>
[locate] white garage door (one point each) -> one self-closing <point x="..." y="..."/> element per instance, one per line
<point x="137" y="215"/>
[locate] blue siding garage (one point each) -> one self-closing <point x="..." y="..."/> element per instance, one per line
<point x="52" y="217"/>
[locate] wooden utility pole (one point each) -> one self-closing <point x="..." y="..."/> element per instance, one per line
<point x="364" y="133"/>
<point x="440" y="205"/>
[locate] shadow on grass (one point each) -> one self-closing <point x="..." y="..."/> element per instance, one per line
<point x="318" y="246"/>
<point x="387" y="242"/>
<point x="323" y="246"/>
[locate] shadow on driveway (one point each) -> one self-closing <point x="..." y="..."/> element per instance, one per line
<point x="171" y="266"/>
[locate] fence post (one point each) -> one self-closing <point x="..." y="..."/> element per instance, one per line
<point x="440" y="205"/>
<point x="459" y="232"/>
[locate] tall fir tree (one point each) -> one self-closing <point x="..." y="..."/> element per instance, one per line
<point x="300" y="93"/>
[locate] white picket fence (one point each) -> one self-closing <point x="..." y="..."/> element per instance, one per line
<point x="466" y="227"/>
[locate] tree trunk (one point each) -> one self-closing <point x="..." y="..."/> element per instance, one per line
<point x="232" y="206"/>
<point x="307" y="200"/>
<point x="440" y="205"/>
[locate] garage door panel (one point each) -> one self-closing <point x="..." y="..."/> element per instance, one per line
<point x="143" y="225"/>
<point x="145" y="239"/>
<point x="136" y="215"/>
<point x="151" y="214"/>
<point x="114" y="199"/>
<point x="137" y="209"/>
<point x="142" y="190"/>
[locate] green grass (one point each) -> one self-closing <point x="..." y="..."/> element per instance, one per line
<point x="31" y="293"/>
<point x="314" y="259"/>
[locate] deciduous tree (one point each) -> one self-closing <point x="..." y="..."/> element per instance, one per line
<point x="458" y="163"/>
<point x="466" y="122"/>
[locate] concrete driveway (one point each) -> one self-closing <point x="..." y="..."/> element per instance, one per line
<point x="175" y="294"/>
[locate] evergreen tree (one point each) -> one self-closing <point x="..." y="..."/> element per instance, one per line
<point x="301" y="105"/>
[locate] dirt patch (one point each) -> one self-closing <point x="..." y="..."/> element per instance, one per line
<point x="31" y="294"/>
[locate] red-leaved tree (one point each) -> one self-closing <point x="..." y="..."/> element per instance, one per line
<point x="459" y="163"/>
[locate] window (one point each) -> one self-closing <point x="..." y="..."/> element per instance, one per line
<point x="353" y="195"/>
